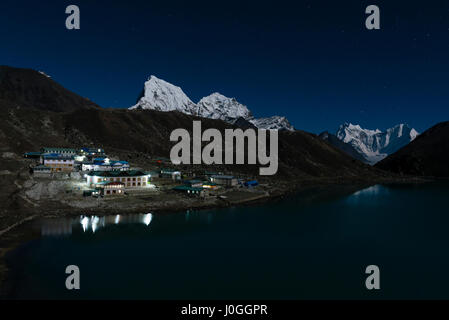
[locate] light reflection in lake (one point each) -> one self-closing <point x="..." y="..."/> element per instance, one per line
<point x="147" y="219"/>
<point x="65" y="226"/>
<point x="375" y="191"/>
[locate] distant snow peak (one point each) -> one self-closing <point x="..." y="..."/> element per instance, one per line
<point x="218" y="106"/>
<point x="163" y="96"/>
<point x="273" y="123"/>
<point x="413" y="134"/>
<point x="375" y="145"/>
<point x="347" y="131"/>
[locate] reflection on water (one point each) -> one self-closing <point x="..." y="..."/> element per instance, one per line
<point x="147" y="219"/>
<point x="64" y="226"/>
<point x="372" y="192"/>
<point x="313" y="245"/>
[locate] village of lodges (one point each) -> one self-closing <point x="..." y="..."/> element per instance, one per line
<point x="101" y="176"/>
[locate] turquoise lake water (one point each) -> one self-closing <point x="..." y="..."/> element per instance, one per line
<point x="315" y="244"/>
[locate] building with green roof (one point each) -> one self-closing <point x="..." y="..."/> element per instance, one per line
<point x="32" y="155"/>
<point x="62" y="151"/>
<point x="194" y="191"/>
<point x="171" y="174"/>
<point x="130" y="178"/>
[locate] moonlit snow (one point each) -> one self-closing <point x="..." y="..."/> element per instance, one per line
<point x="163" y="96"/>
<point x="376" y="145"/>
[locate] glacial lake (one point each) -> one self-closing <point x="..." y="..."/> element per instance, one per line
<point x="314" y="245"/>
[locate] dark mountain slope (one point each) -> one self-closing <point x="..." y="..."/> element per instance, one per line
<point x="51" y="116"/>
<point x="36" y="112"/>
<point x="345" y="147"/>
<point x="31" y="89"/>
<point x="145" y="133"/>
<point x="427" y="155"/>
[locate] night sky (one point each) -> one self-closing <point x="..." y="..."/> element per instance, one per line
<point x="311" y="61"/>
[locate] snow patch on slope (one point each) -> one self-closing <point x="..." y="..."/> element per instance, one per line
<point x="44" y="74"/>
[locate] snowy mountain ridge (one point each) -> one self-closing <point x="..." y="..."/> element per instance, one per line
<point x="163" y="96"/>
<point x="375" y="145"/>
<point x="274" y="122"/>
<point x="217" y="106"/>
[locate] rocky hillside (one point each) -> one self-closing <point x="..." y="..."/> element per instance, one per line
<point x="145" y="133"/>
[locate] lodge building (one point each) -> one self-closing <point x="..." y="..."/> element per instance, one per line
<point x="224" y="180"/>
<point x="58" y="163"/>
<point x="104" y="165"/>
<point x="41" y="170"/>
<point x="130" y="179"/>
<point x="60" y="151"/>
<point x="112" y="188"/>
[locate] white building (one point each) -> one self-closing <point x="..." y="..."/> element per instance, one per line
<point x="130" y="178"/>
<point x="112" y="188"/>
<point x="105" y="166"/>
<point x="59" y="151"/>
<point x="224" y="180"/>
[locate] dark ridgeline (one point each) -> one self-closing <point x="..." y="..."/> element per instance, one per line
<point x="243" y="123"/>
<point x="30" y="89"/>
<point x="36" y="112"/>
<point x="427" y="155"/>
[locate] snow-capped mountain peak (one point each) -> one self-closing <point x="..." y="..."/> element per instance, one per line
<point x="413" y="134"/>
<point x="273" y="123"/>
<point x="347" y="131"/>
<point x="375" y="145"/>
<point x="218" y="106"/>
<point x="163" y="96"/>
